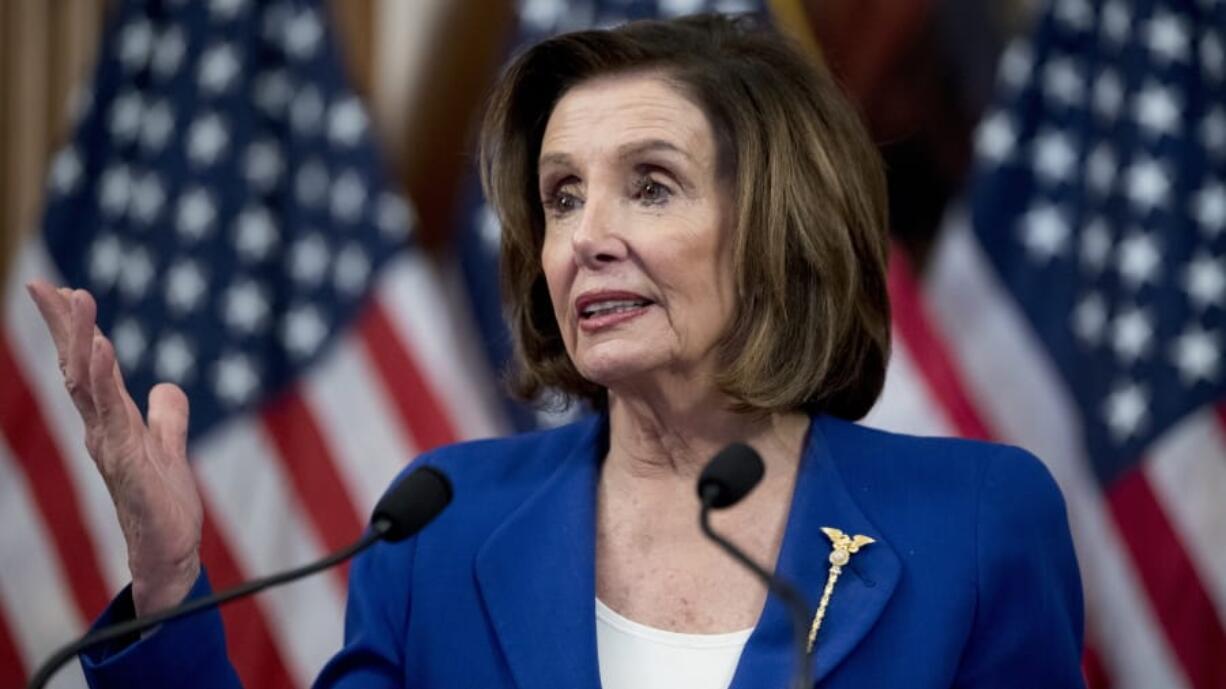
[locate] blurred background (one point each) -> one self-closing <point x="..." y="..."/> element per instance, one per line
<point x="274" y="203"/>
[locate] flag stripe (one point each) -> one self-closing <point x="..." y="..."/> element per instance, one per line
<point x="32" y="589"/>
<point x="1027" y="404"/>
<point x="415" y="403"/>
<point x="12" y="669"/>
<point x="259" y="515"/>
<point x="931" y="356"/>
<point x="40" y="460"/>
<point x="906" y="404"/>
<point x="249" y="642"/>
<point x="311" y="470"/>
<point x="1175" y="592"/>
<point x="354" y="418"/>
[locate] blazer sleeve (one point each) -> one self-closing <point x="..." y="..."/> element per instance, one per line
<point x="1028" y="618"/>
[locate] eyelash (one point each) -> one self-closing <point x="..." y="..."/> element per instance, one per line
<point x="555" y="202"/>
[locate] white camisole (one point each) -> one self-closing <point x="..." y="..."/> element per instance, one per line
<point x="635" y="656"/>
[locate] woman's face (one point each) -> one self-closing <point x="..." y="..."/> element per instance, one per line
<point x="636" y="231"/>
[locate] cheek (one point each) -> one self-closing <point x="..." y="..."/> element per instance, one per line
<point x="559" y="270"/>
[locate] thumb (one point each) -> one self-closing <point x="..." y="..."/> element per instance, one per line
<point x="168" y="410"/>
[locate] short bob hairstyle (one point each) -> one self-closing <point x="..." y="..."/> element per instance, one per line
<point x="811" y="327"/>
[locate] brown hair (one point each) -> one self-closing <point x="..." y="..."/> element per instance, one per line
<point x="811" y="327"/>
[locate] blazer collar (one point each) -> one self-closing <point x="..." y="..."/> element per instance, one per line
<point x="536" y="573"/>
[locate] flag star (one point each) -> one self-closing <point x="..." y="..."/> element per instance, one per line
<point x="1126" y="411"/>
<point x="263" y="164"/>
<point x="352" y="270"/>
<point x="1100" y="169"/>
<point x="348" y="196"/>
<point x="1197" y="354"/>
<point x="1148" y="184"/>
<point x="185" y="286"/>
<point x="148" y="197"/>
<point x="1133" y="334"/>
<point x="105" y="260"/>
<point x="1213" y="131"/>
<point x="1096" y="245"/>
<point x="245" y="307"/>
<point x="130" y="343"/>
<point x="1016" y="64"/>
<point x="346" y="121"/>
<point x="1139" y="260"/>
<point x="276" y="17"/>
<point x="1062" y="82"/>
<point x="302" y="34"/>
<point x="256" y="233"/>
<point x="196" y="213"/>
<point x="1157" y="111"/>
<point x="156" y="126"/>
<point x="1108" y="94"/>
<point x="393" y="216"/>
<point x="1090" y="318"/>
<point x="1212" y="56"/>
<point x="226" y="9"/>
<point x="309" y="258"/>
<point x="66" y="170"/>
<point x="174" y="358"/>
<point x="543" y="15"/>
<point x="136" y="271"/>
<point x="207" y="137"/>
<point x="490" y="229"/>
<point x="235" y="379"/>
<point x="219" y="65"/>
<point x="168" y="54"/>
<point x="126" y="112"/>
<point x="135" y="43"/>
<point x="1045" y="232"/>
<point x="303" y="330"/>
<point x="272" y="91"/>
<point x="306" y="111"/>
<point x="1204" y="279"/>
<point x="1075" y="14"/>
<point x="1167" y="37"/>
<point x="1209" y="208"/>
<point x="996" y="137"/>
<point x="114" y="190"/>
<point x="311" y="183"/>
<point x="1054" y="157"/>
<point x="1116" y="21"/>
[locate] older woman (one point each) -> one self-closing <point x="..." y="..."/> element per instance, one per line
<point x="694" y="242"/>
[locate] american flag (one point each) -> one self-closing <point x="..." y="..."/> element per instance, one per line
<point x="222" y="199"/>
<point x="1077" y="306"/>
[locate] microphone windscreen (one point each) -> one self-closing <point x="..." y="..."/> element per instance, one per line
<point x="411" y="504"/>
<point x="730" y="475"/>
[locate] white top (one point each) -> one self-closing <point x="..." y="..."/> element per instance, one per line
<point x="635" y="656"/>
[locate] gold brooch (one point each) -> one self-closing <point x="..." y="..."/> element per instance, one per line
<point x="844" y="547"/>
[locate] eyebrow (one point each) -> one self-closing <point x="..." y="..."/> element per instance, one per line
<point x="625" y="151"/>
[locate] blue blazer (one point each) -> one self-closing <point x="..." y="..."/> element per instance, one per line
<point x="972" y="580"/>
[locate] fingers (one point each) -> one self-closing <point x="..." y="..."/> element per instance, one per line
<point x="56" y="312"/>
<point x="109" y="399"/>
<point x="168" y="413"/>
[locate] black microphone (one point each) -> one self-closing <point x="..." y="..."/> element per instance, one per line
<point x="727" y="478"/>
<point x="404" y="510"/>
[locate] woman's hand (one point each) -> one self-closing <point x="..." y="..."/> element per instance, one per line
<point x="144" y="466"/>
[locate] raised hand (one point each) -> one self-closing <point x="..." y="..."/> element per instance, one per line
<point x="143" y="464"/>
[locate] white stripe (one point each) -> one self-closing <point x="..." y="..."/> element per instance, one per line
<point x="34" y="593"/>
<point x="1012" y="383"/>
<point x="35" y="355"/>
<point x="245" y="490"/>
<point x="368" y="445"/>
<point x="1187" y="469"/>
<point x="429" y="322"/>
<point x="906" y="404"/>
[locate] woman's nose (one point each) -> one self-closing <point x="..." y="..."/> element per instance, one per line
<point x="598" y="239"/>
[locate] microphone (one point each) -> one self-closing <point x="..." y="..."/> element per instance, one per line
<point x="404" y="510"/>
<point x="727" y="478"/>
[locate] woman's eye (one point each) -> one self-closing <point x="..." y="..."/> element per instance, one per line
<point x="561" y="203"/>
<point x="652" y="192"/>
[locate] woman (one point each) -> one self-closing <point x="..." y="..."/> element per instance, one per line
<point x="694" y="241"/>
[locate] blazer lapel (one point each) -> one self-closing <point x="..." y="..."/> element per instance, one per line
<point x="536" y="576"/>
<point x="821" y="499"/>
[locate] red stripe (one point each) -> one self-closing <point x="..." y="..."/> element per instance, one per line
<point x="930" y="352"/>
<point x="40" y="460"/>
<point x="255" y="655"/>
<point x="1175" y="592"/>
<point x="1093" y="669"/>
<point x="312" y="471"/>
<point x="416" y="404"/>
<point x="12" y="669"/>
<point x="1220" y="410"/>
